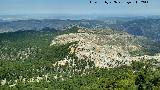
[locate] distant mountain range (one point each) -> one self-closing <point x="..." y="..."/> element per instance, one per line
<point x="51" y="23"/>
<point x="148" y="27"/>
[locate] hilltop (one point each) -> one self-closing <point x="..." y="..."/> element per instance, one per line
<point x="107" y="48"/>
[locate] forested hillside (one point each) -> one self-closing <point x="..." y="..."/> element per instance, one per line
<point x="141" y="27"/>
<point x="28" y="61"/>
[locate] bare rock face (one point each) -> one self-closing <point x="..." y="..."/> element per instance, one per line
<point x="106" y="50"/>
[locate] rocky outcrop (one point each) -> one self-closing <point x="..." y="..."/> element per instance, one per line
<point x="106" y="50"/>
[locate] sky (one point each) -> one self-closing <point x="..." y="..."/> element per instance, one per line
<point x="78" y="7"/>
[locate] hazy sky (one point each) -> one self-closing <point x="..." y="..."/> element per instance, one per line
<point x="78" y="7"/>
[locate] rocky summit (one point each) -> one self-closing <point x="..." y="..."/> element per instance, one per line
<point x="106" y="48"/>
